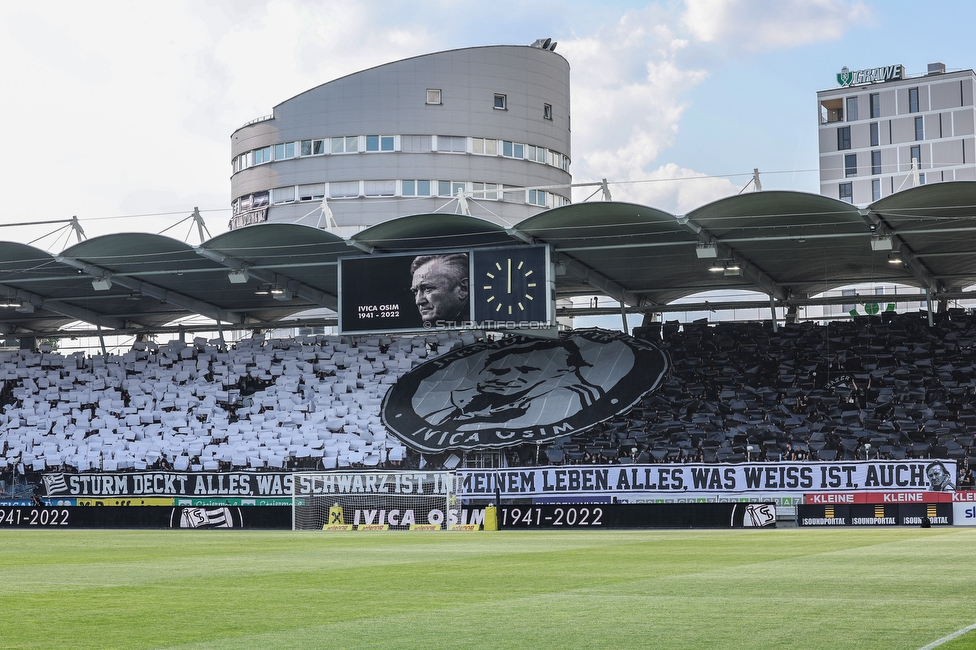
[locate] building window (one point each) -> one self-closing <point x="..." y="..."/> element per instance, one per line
<point x="847" y="192"/>
<point x="484" y="146"/>
<point x="874" y="102"/>
<point x="916" y="155"/>
<point x="262" y="155"/>
<point x="285" y="150"/>
<point x="344" y="189"/>
<point x="313" y="147"/>
<point x="559" y="160"/>
<point x="433" y="95"/>
<point x="537" y="197"/>
<point x="921" y="179"/>
<point x="501" y="102"/>
<point x="484" y="191"/>
<point x="875" y="162"/>
<point x="547" y="111"/>
<point x="875" y="136"/>
<point x="843" y="138"/>
<point x="283" y="194"/>
<point x="379" y="188"/>
<point x="913" y="100"/>
<point x="347" y="144"/>
<point x="851" y="109"/>
<point x="876" y="189"/>
<point x="513" y="149"/>
<point x="537" y="154"/>
<point x="452" y="143"/>
<point x="415" y="188"/>
<point x="449" y="188"/>
<point x="379" y="143"/>
<point x="311" y="192"/>
<point x="919" y="128"/>
<point x="850" y="165"/>
<point x="415" y="143"/>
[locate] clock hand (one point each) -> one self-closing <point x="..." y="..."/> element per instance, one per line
<point x="510" y="275"/>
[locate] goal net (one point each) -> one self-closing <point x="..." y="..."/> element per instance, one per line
<point x="373" y="500"/>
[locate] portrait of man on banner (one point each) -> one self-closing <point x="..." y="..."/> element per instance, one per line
<point x="940" y="478"/>
<point x="539" y="383"/>
<point x="519" y="389"/>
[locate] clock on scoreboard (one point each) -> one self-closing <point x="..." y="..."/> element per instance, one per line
<point x="511" y="284"/>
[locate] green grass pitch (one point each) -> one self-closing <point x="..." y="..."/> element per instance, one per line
<point x="786" y="588"/>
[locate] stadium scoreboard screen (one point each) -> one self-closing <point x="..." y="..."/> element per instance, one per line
<point x="510" y="288"/>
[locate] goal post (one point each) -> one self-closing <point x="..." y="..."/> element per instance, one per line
<point x="355" y="500"/>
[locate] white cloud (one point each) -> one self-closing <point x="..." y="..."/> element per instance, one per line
<point x="293" y="46"/>
<point x="631" y="81"/>
<point x="771" y="24"/>
<point x="628" y="84"/>
<point x="626" y="95"/>
<point x="128" y="108"/>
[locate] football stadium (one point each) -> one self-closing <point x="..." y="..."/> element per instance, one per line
<point x="396" y="425"/>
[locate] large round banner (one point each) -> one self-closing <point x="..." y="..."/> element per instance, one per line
<point x="521" y="389"/>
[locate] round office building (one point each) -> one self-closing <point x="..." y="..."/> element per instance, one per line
<point x="483" y="131"/>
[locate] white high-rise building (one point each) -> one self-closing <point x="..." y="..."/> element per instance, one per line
<point x="879" y="120"/>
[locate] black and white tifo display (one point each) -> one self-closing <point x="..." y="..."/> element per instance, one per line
<point x="521" y="390"/>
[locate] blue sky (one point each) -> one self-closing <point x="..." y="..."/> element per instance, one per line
<point x="121" y="112"/>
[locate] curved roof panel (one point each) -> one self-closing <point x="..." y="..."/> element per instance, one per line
<point x="641" y="251"/>
<point x="801" y="243"/>
<point x="430" y="232"/>
<point x="789" y="245"/>
<point x="934" y="225"/>
<point x="27" y="276"/>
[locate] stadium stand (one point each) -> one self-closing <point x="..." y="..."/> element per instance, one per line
<point x="888" y="387"/>
<point x="311" y="402"/>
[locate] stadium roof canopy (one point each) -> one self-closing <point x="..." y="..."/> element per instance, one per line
<point x="788" y="245"/>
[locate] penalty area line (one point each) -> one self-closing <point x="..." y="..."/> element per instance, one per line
<point x="946" y="639"/>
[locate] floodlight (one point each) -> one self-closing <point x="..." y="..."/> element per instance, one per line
<point x="102" y="284"/>
<point x="704" y="251"/>
<point x="238" y="276"/>
<point x="881" y="243"/>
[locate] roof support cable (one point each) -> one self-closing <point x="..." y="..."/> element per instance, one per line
<point x="754" y="181"/>
<point x="200" y="224"/>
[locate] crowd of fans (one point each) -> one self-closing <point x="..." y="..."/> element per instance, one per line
<point x="889" y="387"/>
<point x="305" y="403"/>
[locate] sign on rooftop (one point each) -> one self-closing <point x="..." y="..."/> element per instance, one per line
<point x="847" y="77"/>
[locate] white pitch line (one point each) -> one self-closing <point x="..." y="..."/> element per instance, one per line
<point x="946" y="639"/>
